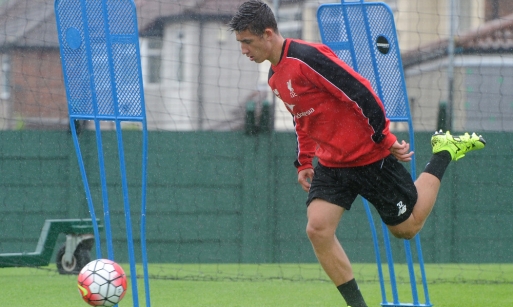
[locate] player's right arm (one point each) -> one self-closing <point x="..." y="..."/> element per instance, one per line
<point x="401" y="151"/>
<point x="305" y="149"/>
<point x="304" y="178"/>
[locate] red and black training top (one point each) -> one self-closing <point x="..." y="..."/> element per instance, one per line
<point x="337" y="115"/>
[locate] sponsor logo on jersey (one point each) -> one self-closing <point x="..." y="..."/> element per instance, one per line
<point x="306" y="113"/>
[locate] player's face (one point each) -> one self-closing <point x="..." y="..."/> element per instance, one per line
<point x="256" y="48"/>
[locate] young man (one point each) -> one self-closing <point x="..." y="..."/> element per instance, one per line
<point x="339" y="119"/>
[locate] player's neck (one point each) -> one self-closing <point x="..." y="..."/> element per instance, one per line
<point x="277" y="49"/>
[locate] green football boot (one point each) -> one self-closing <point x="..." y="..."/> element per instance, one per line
<point x="458" y="145"/>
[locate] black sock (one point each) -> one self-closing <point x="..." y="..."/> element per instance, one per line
<point x="438" y="164"/>
<point x="352" y="294"/>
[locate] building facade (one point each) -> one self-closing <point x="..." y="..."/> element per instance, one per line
<point x="195" y="77"/>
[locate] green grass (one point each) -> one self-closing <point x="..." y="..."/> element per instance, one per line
<point x="451" y="285"/>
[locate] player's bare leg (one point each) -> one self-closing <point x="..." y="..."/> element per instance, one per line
<point x="428" y="186"/>
<point x="446" y="148"/>
<point x="323" y="219"/>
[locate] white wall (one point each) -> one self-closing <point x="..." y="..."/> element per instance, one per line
<point x="420" y="22"/>
<point x="482" y="93"/>
<point x="213" y="101"/>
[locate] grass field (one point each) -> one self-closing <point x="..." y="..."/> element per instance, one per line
<point x="450" y="285"/>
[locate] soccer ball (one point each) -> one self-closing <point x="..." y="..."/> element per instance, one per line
<point x="102" y="282"/>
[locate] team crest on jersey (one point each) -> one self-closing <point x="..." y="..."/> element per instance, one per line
<point x="291" y="89"/>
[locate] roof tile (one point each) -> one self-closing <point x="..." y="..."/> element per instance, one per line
<point x="493" y="36"/>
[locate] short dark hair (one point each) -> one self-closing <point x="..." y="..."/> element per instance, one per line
<point x="255" y="16"/>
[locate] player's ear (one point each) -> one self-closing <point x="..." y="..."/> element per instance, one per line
<point x="268" y="33"/>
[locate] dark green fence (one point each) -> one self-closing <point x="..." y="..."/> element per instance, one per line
<point x="229" y="197"/>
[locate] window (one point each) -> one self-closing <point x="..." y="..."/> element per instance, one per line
<point x="154" y="59"/>
<point x="181" y="58"/>
<point x="5" y="77"/>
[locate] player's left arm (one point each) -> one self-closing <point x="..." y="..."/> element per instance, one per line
<point x="327" y="72"/>
<point x="401" y="151"/>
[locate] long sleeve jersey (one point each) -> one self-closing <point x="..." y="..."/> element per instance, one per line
<point x="337" y="115"/>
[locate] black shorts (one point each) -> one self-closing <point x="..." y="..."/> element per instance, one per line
<point x="386" y="184"/>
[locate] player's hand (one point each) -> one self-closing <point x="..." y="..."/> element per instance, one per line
<point x="401" y="151"/>
<point x="304" y="178"/>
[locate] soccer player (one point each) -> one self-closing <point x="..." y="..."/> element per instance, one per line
<point x="339" y="119"/>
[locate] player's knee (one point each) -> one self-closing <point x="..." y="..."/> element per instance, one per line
<point x="317" y="231"/>
<point x="408" y="229"/>
<point x="406" y="234"/>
